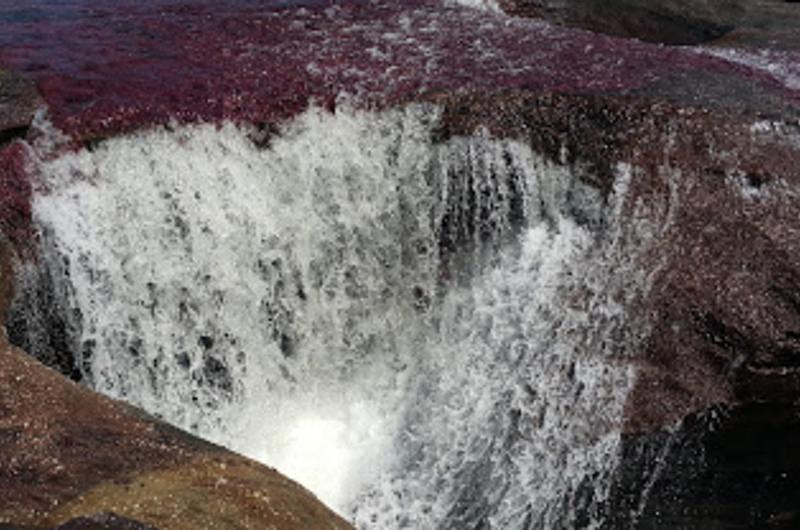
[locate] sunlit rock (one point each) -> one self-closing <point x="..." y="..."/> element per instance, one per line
<point x="69" y="453"/>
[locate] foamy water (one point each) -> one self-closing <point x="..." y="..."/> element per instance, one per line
<point x="426" y="335"/>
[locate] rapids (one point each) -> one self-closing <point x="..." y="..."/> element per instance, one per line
<point x="426" y="334"/>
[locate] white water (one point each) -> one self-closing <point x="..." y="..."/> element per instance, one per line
<point x="294" y="303"/>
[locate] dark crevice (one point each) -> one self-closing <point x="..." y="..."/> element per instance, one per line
<point x="17" y="133"/>
<point x="722" y="335"/>
<point x="40" y="323"/>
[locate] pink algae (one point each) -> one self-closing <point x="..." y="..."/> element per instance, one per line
<point x="105" y="67"/>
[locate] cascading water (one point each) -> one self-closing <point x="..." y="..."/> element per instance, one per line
<point x="427" y="335"/>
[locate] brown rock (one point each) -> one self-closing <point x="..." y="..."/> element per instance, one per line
<point x="67" y="453"/>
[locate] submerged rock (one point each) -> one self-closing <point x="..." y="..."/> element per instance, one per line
<point x="68" y="454"/>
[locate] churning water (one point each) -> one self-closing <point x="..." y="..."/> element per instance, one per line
<point x="426" y="334"/>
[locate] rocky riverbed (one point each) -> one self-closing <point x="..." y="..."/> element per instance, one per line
<point x="707" y="137"/>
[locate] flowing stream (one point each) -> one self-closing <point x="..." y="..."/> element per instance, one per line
<point x="427" y="334"/>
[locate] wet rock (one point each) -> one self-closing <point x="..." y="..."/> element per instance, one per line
<point x="721" y="321"/>
<point x="712" y="213"/>
<point x="67" y="454"/>
<point x="6" y="284"/>
<point x="19" y="101"/>
<point x="723" y="468"/>
<point x="663" y="21"/>
<point x="40" y="322"/>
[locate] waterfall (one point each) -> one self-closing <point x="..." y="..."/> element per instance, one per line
<point x="427" y="334"/>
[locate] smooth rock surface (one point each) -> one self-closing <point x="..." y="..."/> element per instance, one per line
<point x="67" y="453"/>
<point x="667" y="21"/>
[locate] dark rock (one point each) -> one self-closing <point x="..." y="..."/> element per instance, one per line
<point x="19" y="101"/>
<point x="104" y="521"/>
<point x="663" y="21"/>
<point x="6" y="282"/>
<point x="40" y="322"/>
<point x="724" y="468"/>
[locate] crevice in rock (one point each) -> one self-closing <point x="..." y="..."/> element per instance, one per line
<point x="15" y="133"/>
<point x="40" y="323"/>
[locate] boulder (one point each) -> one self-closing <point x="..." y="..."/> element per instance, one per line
<point x="68" y="454"/>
